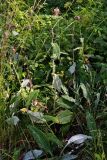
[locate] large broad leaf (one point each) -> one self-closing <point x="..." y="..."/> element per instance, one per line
<point x="36" y="116"/>
<point x="64" y="117"/>
<point x="33" y="154"/>
<point x="49" y="118"/>
<point x="91" y="124"/>
<point x="57" y="82"/>
<point x="40" y="138"/>
<point x="13" y="120"/>
<point x="56" y="51"/>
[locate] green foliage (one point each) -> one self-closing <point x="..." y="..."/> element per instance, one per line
<point x="53" y="77"/>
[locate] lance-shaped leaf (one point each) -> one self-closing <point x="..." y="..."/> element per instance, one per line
<point x="84" y="90"/>
<point x="40" y="138"/>
<point x="91" y="124"/>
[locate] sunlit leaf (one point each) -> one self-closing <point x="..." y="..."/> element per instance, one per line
<point x="70" y="99"/>
<point x="25" y="83"/>
<point x="84" y="90"/>
<point x="15" y="33"/>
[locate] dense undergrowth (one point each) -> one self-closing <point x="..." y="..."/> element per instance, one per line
<point x="53" y="79"/>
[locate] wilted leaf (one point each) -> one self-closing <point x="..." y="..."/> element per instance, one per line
<point x="57" y="82"/>
<point x="78" y="139"/>
<point x="40" y="138"/>
<point x="72" y="68"/>
<point x="13" y="120"/>
<point x="33" y="154"/>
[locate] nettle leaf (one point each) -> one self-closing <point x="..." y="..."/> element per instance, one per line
<point x="64" y="117"/>
<point x="57" y="83"/>
<point x="41" y="139"/>
<point x="37" y="117"/>
<point x="32" y="154"/>
<point x="84" y="90"/>
<point x="72" y="68"/>
<point x="56" y="51"/>
<point x="91" y="124"/>
<point x="13" y="120"/>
